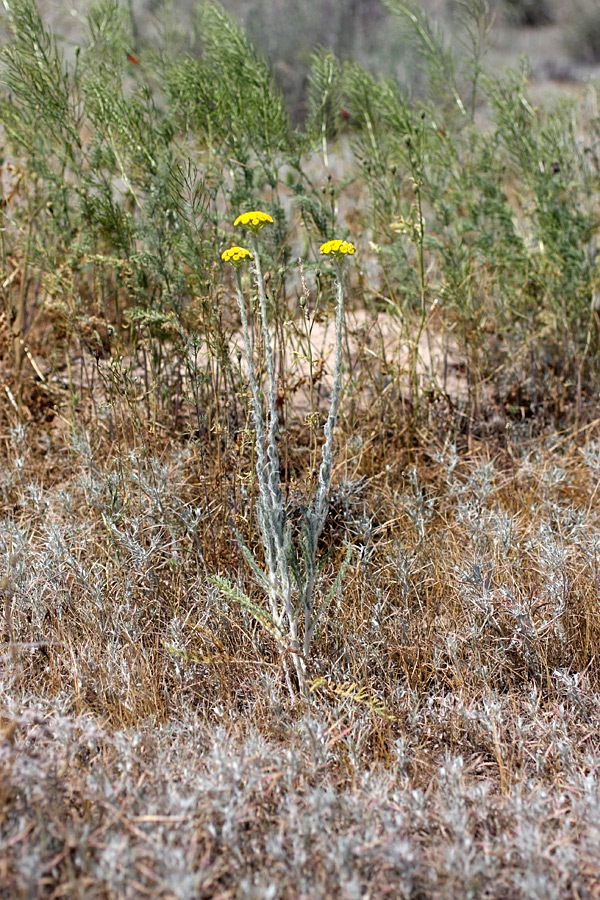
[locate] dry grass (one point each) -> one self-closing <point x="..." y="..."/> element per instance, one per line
<point x="449" y="747"/>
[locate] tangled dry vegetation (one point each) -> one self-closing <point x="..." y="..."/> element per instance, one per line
<point x="448" y="748"/>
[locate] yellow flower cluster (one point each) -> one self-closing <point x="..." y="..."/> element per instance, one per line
<point x="254" y="221"/>
<point x="237" y="256"/>
<point x="338" y="249"/>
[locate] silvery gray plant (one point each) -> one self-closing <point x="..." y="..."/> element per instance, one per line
<point x="292" y="567"/>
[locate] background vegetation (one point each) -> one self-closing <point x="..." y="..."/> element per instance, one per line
<point x="447" y="744"/>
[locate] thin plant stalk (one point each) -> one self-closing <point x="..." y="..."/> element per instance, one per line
<point x="318" y="511"/>
<point x="270" y="510"/>
<point x="272" y="452"/>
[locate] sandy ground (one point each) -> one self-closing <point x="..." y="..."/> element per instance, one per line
<point x="375" y="351"/>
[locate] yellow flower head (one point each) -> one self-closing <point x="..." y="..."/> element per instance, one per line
<point x="237" y="256"/>
<point x="338" y="249"/>
<point x="254" y="221"/>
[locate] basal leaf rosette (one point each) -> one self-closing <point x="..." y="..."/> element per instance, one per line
<point x="237" y="256"/>
<point x="338" y="250"/>
<point x="253" y="221"/>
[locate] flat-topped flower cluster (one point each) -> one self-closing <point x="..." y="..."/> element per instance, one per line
<point x="236" y="256"/>
<point x="253" y="221"/>
<point x="338" y="249"/>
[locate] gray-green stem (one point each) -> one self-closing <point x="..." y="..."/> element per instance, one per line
<point x="273" y="424"/>
<point x="320" y="504"/>
<point x="266" y="500"/>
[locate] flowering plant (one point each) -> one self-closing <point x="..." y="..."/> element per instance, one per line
<point x="291" y="578"/>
